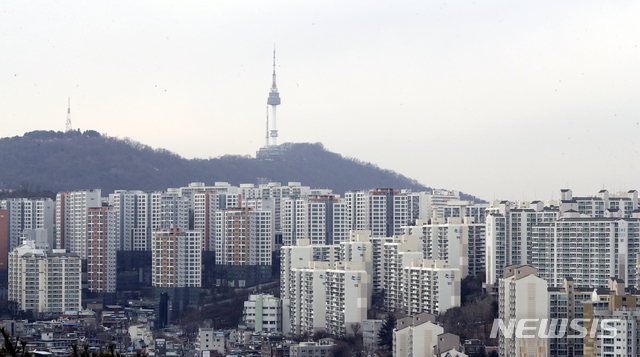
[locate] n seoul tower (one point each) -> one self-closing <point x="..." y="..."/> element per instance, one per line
<point x="273" y="101"/>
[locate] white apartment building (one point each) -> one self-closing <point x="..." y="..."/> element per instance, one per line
<point x="307" y="298"/>
<point x="329" y="299"/>
<point x="131" y="209"/>
<point x="431" y="286"/>
<point x="422" y="203"/>
<point x="396" y="256"/>
<point x="301" y="256"/>
<point x="455" y="240"/>
<point x="263" y="313"/>
<point x="71" y="219"/>
<point x="348" y="295"/>
<point x="590" y="250"/>
<point x="44" y="281"/>
<point x="523" y="295"/>
<point x="341" y="221"/>
<point x="29" y="214"/>
<point x="416" y="336"/>
<point x="358" y="209"/>
<point x="176" y="258"/>
<point x="596" y="206"/>
<point x="168" y="210"/>
<point x="497" y="247"/>
<point x="278" y="192"/>
<point x="321" y="219"/>
<point x="205" y="205"/>
<point x="575" y="237"/>
<point x="294" y="220"/>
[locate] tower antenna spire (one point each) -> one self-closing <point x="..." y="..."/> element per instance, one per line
<point x="266" y="137"/>
<point x="274" y="69"/>
<point x="68" y="127"/>
<point x="273" y="101"/>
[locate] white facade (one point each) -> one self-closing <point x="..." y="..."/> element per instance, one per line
<point x="168" y="210"/>
<point x="132" y="219"/>
<point x="29" y="214"/>
<point x="523" y="295"/>
<point x="431" y="286"/>
<point x="71" y="219"/>
<point x="44" y="282"/>
<point x="590" y="250"/>
<point x="211" y="340"/>
<point x="263" y="313"/>
<point x="424" y="202"/>
<point x="416" y="339"/>
<point x="294" y="220"/>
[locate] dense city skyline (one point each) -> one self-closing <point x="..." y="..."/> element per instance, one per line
<point x="458" y="96"/>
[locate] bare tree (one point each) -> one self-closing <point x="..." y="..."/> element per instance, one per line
<point x="355" y="328"/>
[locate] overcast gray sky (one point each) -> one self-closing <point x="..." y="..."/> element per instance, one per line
<point x="501" y="99"/>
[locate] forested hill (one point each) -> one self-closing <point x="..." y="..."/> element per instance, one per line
<point x="57" y="161"/>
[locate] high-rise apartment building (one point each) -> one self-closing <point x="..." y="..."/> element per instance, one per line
<point x="243" y="237"/>
<point x="45" y="281"/>
<point x="458" y="241"/>
<point x="131" y="209"/>
<point x="176" y="258"/>
<point x="71" y="219"/>
<point x="29" y="213"/>
<point x="168" y="210"/>
<point x="523" y="295"/>
<point x="589" y="250"/>
<point x="431" y="286"/>
<point x="102" y="242"/>
<point x="422" y="203"/>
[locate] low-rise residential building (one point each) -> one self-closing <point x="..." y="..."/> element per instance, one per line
<point x="263" y="313"/>
<point x="312" y="349"/>
<point x="211" y="340"/>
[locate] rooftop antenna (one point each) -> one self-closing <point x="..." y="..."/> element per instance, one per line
<point x="68" y="128"/>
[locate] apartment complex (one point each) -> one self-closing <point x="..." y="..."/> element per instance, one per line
<point x="587" y="238"/>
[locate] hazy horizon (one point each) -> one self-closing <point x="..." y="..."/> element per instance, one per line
<point x="500" y="100"/>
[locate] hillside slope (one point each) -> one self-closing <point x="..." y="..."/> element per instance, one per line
<point x="69" y="161"/>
